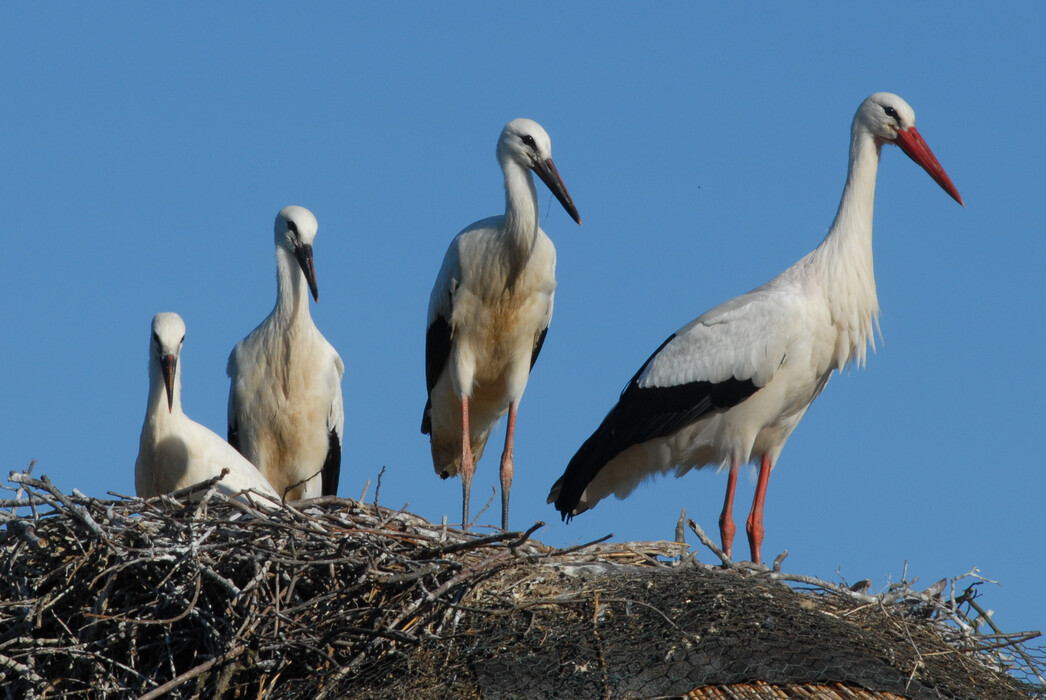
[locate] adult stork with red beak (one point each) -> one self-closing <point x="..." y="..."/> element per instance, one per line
<point x="732" y="385"/>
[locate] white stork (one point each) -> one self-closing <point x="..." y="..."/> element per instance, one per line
<point x="488" y="315"/>
<point x="733" y="384"/>
<point x="285" y="405"/>
<point x="175" y="451"/>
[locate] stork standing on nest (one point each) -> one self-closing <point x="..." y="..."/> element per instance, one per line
<point x="175" y="451"/>
<point x="488" y="315"/>
<point x="285" y="404"/>
<point x="734" y="383"/>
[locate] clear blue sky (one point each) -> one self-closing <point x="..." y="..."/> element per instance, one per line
<point x="146" y="148"/>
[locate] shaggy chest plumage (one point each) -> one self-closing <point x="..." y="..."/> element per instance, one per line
<point x="283" y="389"/>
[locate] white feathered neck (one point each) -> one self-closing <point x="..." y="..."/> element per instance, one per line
<point x="520" y="224"/>
<point x="843" y="260"/>
<point x="292" y="289"/>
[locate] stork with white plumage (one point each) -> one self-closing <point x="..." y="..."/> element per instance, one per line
<point x="732" y="385"/>
<point x="285" y="403"/>
<point x="488" y="314"/>
<point x="175" y="451"/>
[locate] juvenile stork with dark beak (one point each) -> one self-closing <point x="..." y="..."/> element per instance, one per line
<point x="488" y="315"/>
<point x="175" y="451"/>
<point x="285" y="405"/>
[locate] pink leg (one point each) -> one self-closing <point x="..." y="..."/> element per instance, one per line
<point x="755" y="518"/>
<point x="506" y="465"/>
<point x="467" y="466"/>
<point x="726" y="518"/>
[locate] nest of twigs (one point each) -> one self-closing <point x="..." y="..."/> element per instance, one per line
<point x="335" y="598"/>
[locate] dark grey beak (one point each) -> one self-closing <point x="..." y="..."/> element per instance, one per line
<point x="546" y="170"/>
<point x="168" y="364"/>
<point x="304" y="254"/>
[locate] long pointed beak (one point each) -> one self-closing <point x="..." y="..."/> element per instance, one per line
<point x="168" y="365"/>
<point x="546" y="170"/>
<point x="912" y="144"/>
<point x="304" y="255"/>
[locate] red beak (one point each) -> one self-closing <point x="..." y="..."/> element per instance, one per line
<point x="912" y="144"/>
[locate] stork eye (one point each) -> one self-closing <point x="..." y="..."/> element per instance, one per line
<point x="293" y="227"/>
<point x="892" y="113"/>
<point x="528" y="141"/>
<point x="182" y="340"/>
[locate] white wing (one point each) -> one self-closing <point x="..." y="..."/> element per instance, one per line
<point x="209" y="455"/>
<point x="746" y="338"/>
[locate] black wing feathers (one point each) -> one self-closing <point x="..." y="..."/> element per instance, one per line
<point x="234" y="437"/>
<point x="643" y="414"/>
<point x="332" y="466"/>
<point x="537" y="346"/>
<point x="437" y="353"/>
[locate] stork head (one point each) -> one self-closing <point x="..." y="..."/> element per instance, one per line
<point x="295" y="230"/>
<point x="523" y="141"/>
<point x="889" y="119"/>
<point x="165" y="348"/>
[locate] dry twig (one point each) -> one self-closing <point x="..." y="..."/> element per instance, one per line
<point x="330" y="597"/>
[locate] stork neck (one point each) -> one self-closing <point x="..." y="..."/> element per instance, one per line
<point x="292" y="289"/>
<point x="521" y="208"/>
<point x="844" y="257"/>
<point x="849" y="240"/>
<point x="854" y="218"/>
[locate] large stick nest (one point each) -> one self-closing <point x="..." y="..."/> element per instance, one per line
<point x="335" y="598"/>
